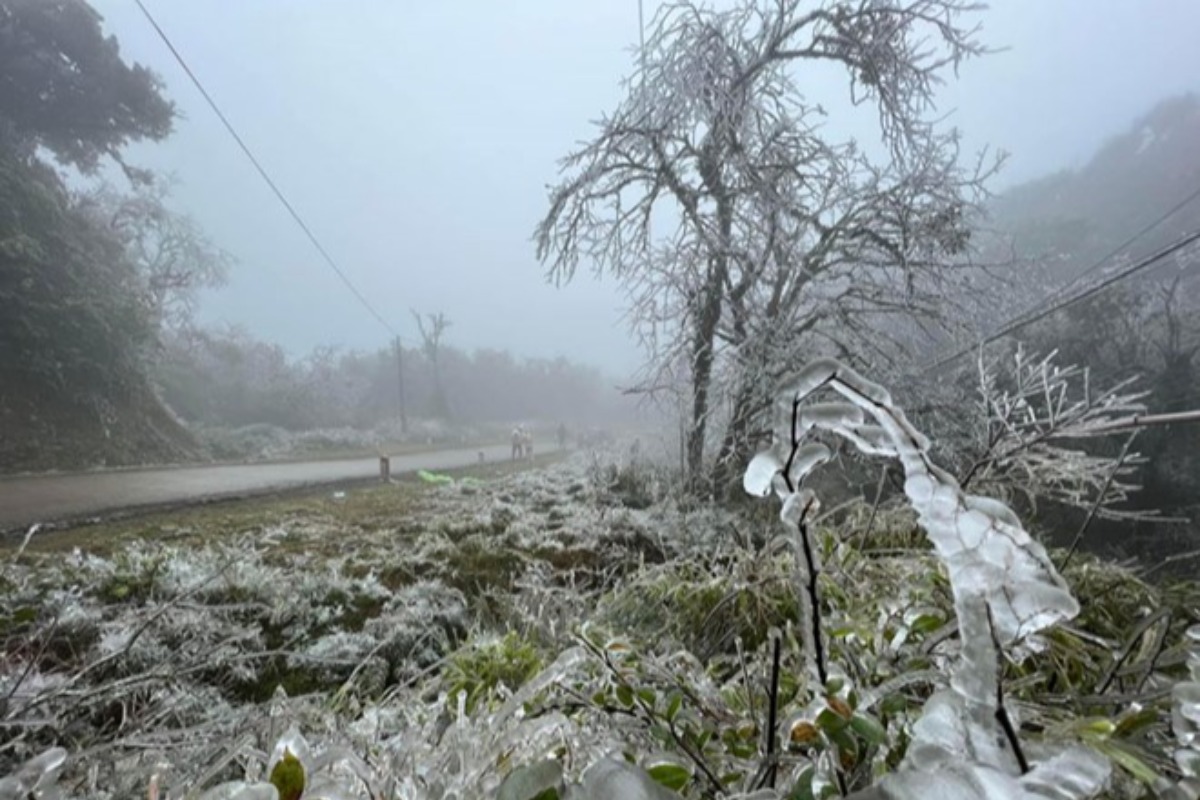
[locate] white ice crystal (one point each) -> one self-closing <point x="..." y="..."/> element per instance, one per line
<point x="1005" y="590"/>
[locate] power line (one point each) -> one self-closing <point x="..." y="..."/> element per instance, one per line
<point x="1103" y="260"/>
<point x="262" y="172"/>
<point x="1025" y="320"/>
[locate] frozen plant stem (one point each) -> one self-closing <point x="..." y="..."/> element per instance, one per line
<point x="808" y="587"/>
<point x="813" y="601"/>
<point x="1100" y="497"/>
<point x="1005" y="590"/>
<point x="1002" y="717"/>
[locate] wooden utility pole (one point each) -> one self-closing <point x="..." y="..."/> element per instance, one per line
<point x="400" y="385"/>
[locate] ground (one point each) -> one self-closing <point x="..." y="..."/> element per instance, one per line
<point x="393" y="625"/>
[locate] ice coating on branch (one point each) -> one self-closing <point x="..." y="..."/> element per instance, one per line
<point x="759" y="474"/>
<point x="820" y="372"/>
<point x="765" y="471"/>
<point x="827" y="415"/>
<point x="870" y="439"/>
<point x="1005" y="589"/>
<point x="799" y="505"/>
<point x="812" y="377"/>
<point x="808" y="457"/>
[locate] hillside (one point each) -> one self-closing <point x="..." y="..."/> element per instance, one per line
<point x="77" y="324"/>
<point x="1078" y="215"/>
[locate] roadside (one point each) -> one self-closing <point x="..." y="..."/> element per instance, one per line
<point x="64" y="500"/>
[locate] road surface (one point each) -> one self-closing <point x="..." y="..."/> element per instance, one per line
<point x="58" y="498"/>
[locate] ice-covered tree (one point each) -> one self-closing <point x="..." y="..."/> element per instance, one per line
<point x="776" y="230"/>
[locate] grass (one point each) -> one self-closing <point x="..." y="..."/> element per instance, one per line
<point x="368" y="508"/>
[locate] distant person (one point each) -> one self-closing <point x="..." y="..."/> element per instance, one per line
<point x="562" y="436"/>
<point x="528" y="442"/>
<point x="518" y="443"/>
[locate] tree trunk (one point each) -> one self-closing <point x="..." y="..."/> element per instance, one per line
<point x="708" y="316"/>
<point x="734" y="449"/>
<point x="702" y="364"/>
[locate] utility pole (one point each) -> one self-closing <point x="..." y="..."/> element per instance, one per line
<point x="400" y="381"/>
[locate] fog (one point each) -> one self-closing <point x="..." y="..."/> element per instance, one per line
<point x="417" y="141"/>
<point x="579" y="398"/>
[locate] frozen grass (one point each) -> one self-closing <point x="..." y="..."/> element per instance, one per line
<point x="444" y="635"/>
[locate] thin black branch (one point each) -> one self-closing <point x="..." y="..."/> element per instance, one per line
<point x="814" y="599"/>
<point x="1112" y="473"/>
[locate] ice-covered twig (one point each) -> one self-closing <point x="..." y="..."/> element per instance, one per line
<point x="1005" y="590"/>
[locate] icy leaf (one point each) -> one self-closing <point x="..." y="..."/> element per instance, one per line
<point x="761" y="471"/>
<point x="290" y="761"/>
<point x="1076" y="772"/>
<point x="328" y="789"/>
<point x="36" y="777"/>
<point x="610" y="779"/>
<point x="540" y="781"/>
<point x="669" y="771"/>
<point x="240" y="790"/>
<point x="869" y="728"/>
<point x="287" y="776"/>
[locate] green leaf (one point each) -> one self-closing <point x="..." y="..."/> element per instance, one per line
<point x="625" y="695"/>
<point x="1093" y="729"/>
<point x="288" y="777"/>
<point x="831" y="722"/>
<point x="1132" y="723"/>
<point x="648" y="696"/>
<point x="893" y="704"/>
<point x="845" y="741"/>
<point x="869" y="729"/>
<point x="671" y="775"/>
<point x="741" y="749"/>
<point x="673" y="706"/>
<point x="803" y="790"/>
<point x="927" y="623"/>
<point x="1127" y="760"/>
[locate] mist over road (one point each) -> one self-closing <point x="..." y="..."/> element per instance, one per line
<point x="25" y="501"/>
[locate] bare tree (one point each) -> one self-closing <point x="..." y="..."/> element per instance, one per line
<point x="432" y="327"/>
<point x="774" y="229"/>
<point x="175" y="258"/>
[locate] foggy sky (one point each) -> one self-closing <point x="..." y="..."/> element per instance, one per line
<point x="417" y="140"/>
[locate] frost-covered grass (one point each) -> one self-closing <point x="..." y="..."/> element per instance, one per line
<point x="270" y="442"/>
<point x="393" y="627"/>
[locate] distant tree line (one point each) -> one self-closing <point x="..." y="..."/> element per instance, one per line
<point x="229" y="378"/>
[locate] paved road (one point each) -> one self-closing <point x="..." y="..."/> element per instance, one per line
<point x="51" y="498"/>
